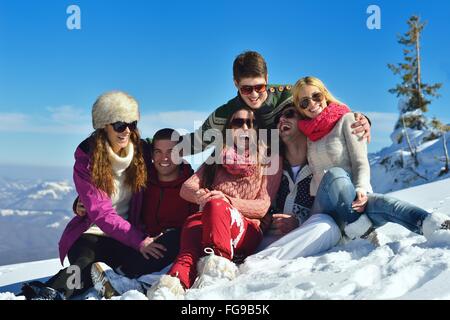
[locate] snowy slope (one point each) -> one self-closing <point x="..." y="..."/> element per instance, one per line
<point x="27" y="271"/>
<point x="405" y="266"/>
<point x="393" y="168"/>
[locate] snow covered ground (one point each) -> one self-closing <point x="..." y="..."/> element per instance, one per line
<point x="405" y="266"/>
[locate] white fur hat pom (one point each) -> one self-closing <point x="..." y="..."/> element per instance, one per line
<point x="112" y="107"/>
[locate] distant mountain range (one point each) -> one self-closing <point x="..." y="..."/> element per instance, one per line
<point x="33" y="215"/>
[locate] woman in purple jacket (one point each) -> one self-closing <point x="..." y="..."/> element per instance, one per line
<point x="109" y="175"/>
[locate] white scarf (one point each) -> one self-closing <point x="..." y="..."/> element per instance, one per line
<point x="120" y="164"/>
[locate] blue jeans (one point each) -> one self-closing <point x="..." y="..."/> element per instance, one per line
<point x="335" y="196"/>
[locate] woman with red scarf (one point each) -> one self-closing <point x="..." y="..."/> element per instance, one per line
<point x="234" y="194"/>
<point x="336" y="156"/>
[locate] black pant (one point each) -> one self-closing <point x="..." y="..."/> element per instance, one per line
<point x="91" y="248"/>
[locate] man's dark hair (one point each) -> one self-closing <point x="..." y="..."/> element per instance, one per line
<point x="249" y="64"/>
<point x="166" y="134"/>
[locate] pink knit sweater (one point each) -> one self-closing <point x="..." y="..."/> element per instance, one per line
<point x="251" y="195"/>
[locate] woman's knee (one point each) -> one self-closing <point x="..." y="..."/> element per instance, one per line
<point x="84" y="247"/>
<point x="216" y="206"/>
<point x="216" y="212"/>
<point x="338" y="180"/>
<point x="336" y="173"/>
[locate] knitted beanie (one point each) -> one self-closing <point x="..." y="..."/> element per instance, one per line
<point x="112" y="107"/>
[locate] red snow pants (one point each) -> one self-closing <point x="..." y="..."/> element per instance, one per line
<point x="219" y="227"/>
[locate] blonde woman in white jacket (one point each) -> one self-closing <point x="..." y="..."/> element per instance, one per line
<point x="337" y="156"/>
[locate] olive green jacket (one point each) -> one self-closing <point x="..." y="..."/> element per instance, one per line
<point x="278" y="97"/>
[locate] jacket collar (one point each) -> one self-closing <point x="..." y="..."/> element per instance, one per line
<point x="305" y="172"/>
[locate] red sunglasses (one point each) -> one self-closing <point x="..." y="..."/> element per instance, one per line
<point x="246" y="90"/>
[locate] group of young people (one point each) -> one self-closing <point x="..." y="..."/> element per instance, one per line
<point x="139" y="211"/>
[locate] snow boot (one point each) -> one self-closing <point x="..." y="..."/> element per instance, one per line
<point x="36" y="290"/>
<point x="99" y="274"/>
<point x="117" y="281"/>
<point x="372" y="236"/>
<point x="436" y="228"/>
<point x="445" y="225"/>
<point x="213" y="268"/>
<point x="167" y="288"/>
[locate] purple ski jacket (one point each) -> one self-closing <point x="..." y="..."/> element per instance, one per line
<point x="99" y="209"/>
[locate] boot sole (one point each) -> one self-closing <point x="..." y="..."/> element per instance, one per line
<point x="99" y="278"/>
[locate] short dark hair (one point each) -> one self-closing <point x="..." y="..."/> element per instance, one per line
<point x="165" y="134"/>
<point x="249" y="64"/>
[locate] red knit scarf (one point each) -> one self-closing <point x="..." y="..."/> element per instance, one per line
<point x="321" y="125"/>
<point x="238" y="164"/>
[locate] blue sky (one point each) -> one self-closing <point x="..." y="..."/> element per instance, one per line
<point x="176" y="59"/>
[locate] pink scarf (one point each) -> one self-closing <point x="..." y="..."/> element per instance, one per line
<point x="238" y="164"/>
<point x="321" y="125"/>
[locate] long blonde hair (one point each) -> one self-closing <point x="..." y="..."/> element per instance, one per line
<point x="311" y="81"/>
<point x="101" y="168"/>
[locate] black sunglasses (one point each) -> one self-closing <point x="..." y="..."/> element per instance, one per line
<point x="121" y="126"/>
<point x="316" y="96"/>
<point x="288" y="114"/>
<point x="239" y="122"/>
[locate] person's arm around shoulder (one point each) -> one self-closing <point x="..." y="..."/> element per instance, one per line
<point x="197" y="141"/>
<point x="78" y="207"/>
<point x="361" y="125"/>
<point x="357" y="150"/>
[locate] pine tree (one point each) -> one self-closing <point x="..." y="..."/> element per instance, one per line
<point x="442" y="129"/>
<point x="412" y="87"/>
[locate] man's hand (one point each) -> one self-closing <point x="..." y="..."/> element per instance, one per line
<point x="151" y="248"/>
<point x="283" y="223"/>
<point x="359" y="205"/>
<point x="361" y="125"/>
<point x="80" y="210"/>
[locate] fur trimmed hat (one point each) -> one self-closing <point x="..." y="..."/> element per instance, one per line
<point x="112" y="107"/>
